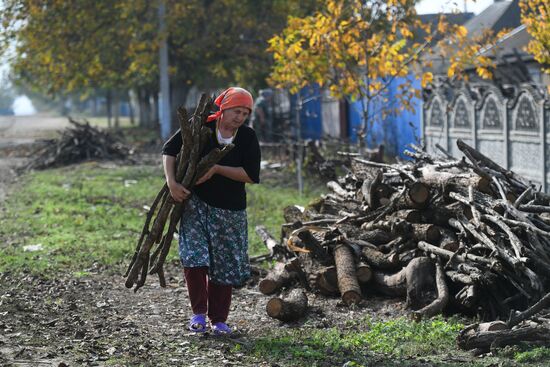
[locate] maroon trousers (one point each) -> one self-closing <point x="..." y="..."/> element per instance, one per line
<point x="207" y="297"/>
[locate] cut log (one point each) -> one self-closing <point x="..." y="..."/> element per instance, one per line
<point x="293" y="213"/>
<point x="290" y="308"/>
<point x="276" y="279"/>
<point x="327" y="281"/>
<point x="445" y="180"/>
<point x="364" y="273"/>
<point x="376" y="236"/>
<point x="448" y="240"/>
<point x="469" y="339"/>
<point x="426" y="232"/>
<point x="408" y="215"/>
<point x="419" y="193"/>
<point x="492" y="326"/>
<point x="347" y="278"/>
<point x="468" y="296"/>
<point x="379" y="260"/>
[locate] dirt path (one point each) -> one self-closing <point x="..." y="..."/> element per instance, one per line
<point x="94" y="321"/>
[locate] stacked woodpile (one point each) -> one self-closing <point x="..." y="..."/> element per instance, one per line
<point x="189" y="168"/>
<point x="79" y="142"/>
<point x="448" y="235"/>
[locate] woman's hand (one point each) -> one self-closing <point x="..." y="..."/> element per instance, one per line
<point x="178" y="192"/>
<point x="211" y="172"/>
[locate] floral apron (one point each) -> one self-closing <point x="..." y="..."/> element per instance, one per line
<point x="216" y="238"/>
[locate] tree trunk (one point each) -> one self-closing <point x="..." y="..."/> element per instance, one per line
<point x="145" y="118"/>
<point x="178" y="96"/>
<point x="109" y="108"/>
<point x="131" y="111"/>
<point x="116" y="105"/>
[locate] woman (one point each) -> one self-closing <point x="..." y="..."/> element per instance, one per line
<point x="213" y="237"/>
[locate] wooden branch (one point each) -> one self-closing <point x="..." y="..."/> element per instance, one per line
<point x="267" y="239"/>
<point x="390" y="284"/>
<point x="437" y="306"/>
<point x="543" y="303"/>
<point x="379" y="260"/>
<point x="424" y="246"/>
<point x="314" y="246"/>
<point x="426" y="232"/>
<point x="387" y="166"/>
<point x="468" y="339"/>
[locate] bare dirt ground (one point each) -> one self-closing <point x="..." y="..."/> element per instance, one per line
<point x="94" y="320"/>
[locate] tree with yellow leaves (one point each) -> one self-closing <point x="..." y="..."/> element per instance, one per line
<point x="535" y="14"/>
<point x="358" y="48"/>
<point x="80" y="46"/>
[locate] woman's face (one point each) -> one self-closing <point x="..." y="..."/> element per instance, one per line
<point x="234" y="117"/>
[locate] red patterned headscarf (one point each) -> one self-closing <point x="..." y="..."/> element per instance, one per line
<point x="230" y="98"/>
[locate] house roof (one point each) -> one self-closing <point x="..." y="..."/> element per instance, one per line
<point x="511" y="44"/>
<point x="496" y="17"/>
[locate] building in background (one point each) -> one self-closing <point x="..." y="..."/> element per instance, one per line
<point x="507" y="118"/>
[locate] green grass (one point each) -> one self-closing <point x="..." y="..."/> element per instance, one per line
<point x="398" y="338"/>
<point x="79" y="215"/>
<point x="534" y="355"/>
<point x="398" y="342"/>
<point x="265" y="207"/>
<point x="87" y="213"/>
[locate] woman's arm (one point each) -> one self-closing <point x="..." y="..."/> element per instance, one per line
<point x="177" y="190"/>
<point x="234" y="173"/>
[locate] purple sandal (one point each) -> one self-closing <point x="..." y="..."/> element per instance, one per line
<point x="197" y="323"/>
<point x="221" y="328"/>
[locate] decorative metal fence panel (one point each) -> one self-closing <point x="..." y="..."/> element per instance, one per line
<point x="514" y="132"/>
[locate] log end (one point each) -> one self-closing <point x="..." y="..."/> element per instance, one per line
<point x="351" y="298"/>
<point x="364" y="273"/>
<point x="268" y="286"/>
<point x="274" y="307"/>
<point x="419" y="193"/>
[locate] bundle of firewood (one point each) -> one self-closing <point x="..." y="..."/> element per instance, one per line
<point x="449" y="235"/>
<point x="189" y="168"/>
<point x="78" y="143"/>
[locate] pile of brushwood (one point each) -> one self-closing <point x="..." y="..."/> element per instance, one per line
<point x="189" y="168"/>
<point x="450" y="235"/>
<point x="79" y="142"/>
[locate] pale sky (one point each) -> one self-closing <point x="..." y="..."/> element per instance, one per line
<point x="437" y="6"/>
